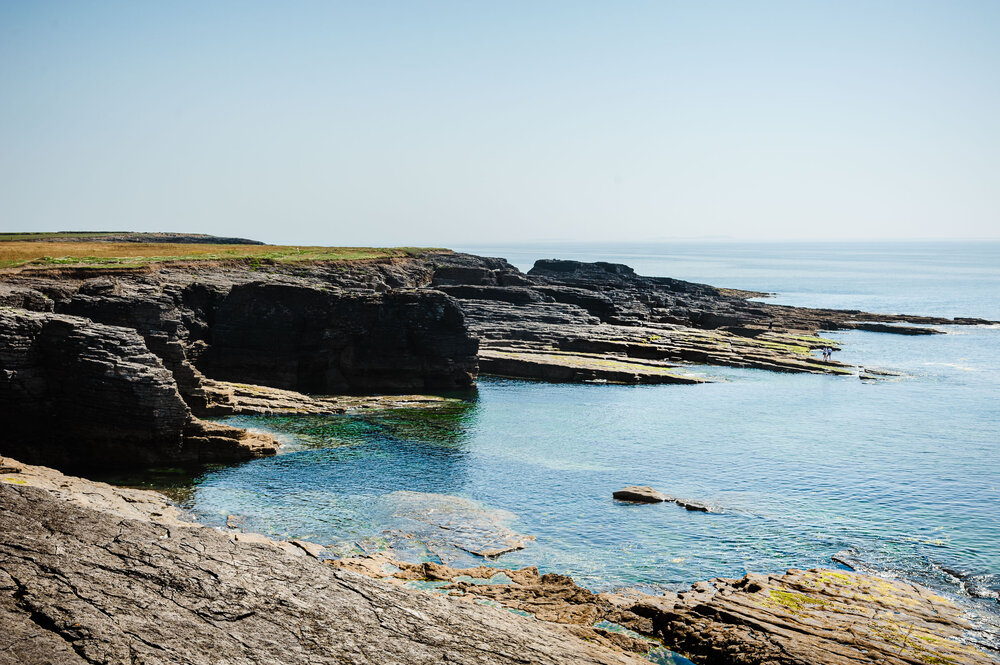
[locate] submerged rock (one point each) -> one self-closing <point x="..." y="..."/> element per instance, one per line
<point x="441" y="522"/>
<point x="694" y="506"/>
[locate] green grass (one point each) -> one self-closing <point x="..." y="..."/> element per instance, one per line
<point x="41" y="253"/>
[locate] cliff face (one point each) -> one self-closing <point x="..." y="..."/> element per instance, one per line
<point x="316" y="341"/>
<point x="75" y="393"/>
<point x="381" y="326"/>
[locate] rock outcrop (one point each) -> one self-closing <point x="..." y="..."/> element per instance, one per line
<point x="81" y="394"/>
<point x="324" y="328"/>
<point x="574" y="321"/>
<point x="94" y="574"/>
<point x="91" y="573"/>
<point x="394" y="325"/>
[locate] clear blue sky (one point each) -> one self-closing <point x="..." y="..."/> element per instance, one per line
<point x="452" y="123"/>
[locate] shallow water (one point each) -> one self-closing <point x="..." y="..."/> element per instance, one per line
<point x="899" y="477"/>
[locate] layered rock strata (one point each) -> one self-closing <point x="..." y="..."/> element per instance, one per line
<point x="574" y="321"/>
<point x="403" y="325"/>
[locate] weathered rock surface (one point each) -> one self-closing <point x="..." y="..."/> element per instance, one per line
<point x="88" y="584"/>
<point x="81" y="394"/>
<point x="398" y="325"/>
<point x="226" y="398"/>
<point x="815" y="617"/>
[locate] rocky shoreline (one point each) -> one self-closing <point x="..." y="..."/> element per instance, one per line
<point x="91" y="573"/>
<point x="104" y="368"/>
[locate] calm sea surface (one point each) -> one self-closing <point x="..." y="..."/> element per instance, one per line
<point x="898" y="477"/>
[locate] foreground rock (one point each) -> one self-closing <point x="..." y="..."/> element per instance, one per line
<point x="815" y="617"/>
<point x="117" y="581"/>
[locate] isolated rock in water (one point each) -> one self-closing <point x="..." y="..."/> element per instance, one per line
<point x="639" y="494"/>
<point x="689" y="505"/>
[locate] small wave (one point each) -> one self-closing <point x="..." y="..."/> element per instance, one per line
<point x="964" y="368"/>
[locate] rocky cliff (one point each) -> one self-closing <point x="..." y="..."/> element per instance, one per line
<point x="80" y="394"/>
<point x="113" y="367"/>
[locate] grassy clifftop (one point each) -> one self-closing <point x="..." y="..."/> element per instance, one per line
<point x="117" y="249"/>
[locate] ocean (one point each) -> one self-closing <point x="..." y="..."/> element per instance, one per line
<point x="899" y="477"/>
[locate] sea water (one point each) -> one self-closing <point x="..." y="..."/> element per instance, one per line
<point x="897" y="477"/>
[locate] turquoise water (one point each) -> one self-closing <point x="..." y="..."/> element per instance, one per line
<point x="898" y="477"/>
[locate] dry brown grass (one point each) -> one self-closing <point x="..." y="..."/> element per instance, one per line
<point x="41" y="253"/>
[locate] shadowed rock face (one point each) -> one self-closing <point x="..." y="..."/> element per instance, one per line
<point x="76" y="394"/>
<point x="94" y="574"/>
<point x="315" y="341"/>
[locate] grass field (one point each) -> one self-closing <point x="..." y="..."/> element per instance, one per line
<point x="42" y="253"/>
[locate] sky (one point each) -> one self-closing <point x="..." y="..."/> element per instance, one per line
<point x="455" y="123"/>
